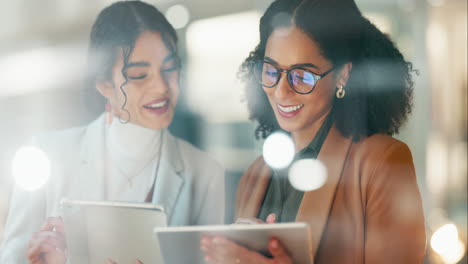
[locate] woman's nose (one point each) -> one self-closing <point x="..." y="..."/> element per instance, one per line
<point x="159" y="84"/>
<point x="283" y="89"/>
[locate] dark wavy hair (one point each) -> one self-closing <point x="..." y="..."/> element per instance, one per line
<point x="380" y="87"/>
<point x="115" y="30"/>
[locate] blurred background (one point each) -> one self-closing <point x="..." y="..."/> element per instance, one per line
<point x="43" y="47"/>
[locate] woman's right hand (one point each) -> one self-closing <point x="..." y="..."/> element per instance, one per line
<point x="48" y="245"/>
<point x="220" y="250"/>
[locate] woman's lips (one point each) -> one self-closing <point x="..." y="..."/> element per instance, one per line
<point x="289" y="111"/>
<point x="158" y="107"/>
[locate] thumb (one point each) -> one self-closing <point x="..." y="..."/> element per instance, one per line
<point x="271" y="219"/>
<point x="278" y="252"/>
<point x="138" y="262"/>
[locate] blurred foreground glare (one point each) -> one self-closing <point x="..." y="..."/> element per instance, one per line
<point x="446" y="243"/>
<point x="307" y="175"/>
<point x="278" y="150"/>
<point x="178" y="16"/>
<point x="30" y="168"/>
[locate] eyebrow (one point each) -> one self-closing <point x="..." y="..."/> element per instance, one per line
<point x="268" y="59"/>
<point x="138" y="64"/>
<point x="148" y="64"/>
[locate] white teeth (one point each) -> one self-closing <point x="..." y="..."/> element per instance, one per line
<point x="290" y="109"/>
<point x="158" y="105"/>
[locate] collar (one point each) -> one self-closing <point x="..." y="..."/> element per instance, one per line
<point x="93" y="145"/>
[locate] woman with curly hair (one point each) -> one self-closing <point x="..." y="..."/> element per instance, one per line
<point x="339" y="86"/>
<point x="127" y="154"/>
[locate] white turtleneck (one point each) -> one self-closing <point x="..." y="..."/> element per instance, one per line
<point x="132" y="154"/>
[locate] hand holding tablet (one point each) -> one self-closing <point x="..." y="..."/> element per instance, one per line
<point x="236" y="243"/>
<point x="48" y="245"/>
<point x="219" y="249"/>
<point x="120" y="233"/>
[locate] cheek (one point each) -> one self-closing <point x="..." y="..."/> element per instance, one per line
<point x="327" y="94"/>
<point x="174" y="90"/>
<point x="324" y="91"/>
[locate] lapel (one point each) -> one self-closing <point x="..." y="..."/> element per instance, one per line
<point x="252" y="189"/>
<point x="169" y="178"/>
<point x="315" y="206"/>
<point x="91" y="168"/>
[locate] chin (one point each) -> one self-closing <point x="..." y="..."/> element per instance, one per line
<point x="157" y="122"/>
<point x="291" y="127"/>
<point x="163" y="124"/>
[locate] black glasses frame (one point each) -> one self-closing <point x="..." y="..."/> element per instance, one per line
<point x="317" y="77"/>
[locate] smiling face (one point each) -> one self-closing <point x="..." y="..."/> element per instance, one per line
<point x="152" y="85"/>
<point x="300" y="113"/>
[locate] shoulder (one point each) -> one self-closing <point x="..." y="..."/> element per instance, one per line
<point x="196" y="160"/>
<point x="190" y="152"/>
<point x="68" y="142"/>
<point x="381" y="160"/>
<point x="379" y="147"/>
<point x="379" y="142"/>
<point x="60" y="139"/>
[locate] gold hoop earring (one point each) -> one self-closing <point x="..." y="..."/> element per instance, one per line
<point x="340" y="93"/>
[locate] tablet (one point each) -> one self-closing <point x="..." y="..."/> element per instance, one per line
<point x="96" y="231"/>
<point x="181" y="245"/>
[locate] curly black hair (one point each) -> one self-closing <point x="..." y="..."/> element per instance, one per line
<point x="380" y="87"/>
<point x="115" y="31"/>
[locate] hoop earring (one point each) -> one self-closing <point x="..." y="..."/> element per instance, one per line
<point x="127" y="113"/>
<point x="340" y="93"/>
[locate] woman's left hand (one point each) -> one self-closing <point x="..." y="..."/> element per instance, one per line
<point x="221" y="250"/>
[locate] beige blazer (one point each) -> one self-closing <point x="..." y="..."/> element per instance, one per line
<point x="369" y="210"/>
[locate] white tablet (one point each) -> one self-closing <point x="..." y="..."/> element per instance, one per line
<point x="123" y="232"/>
<point x="181" y="245"/>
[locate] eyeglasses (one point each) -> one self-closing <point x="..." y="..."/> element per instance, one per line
<point x="300" y="79"/>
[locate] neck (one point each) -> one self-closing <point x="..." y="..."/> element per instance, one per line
<point x="303" y="137"/>
<point x="132" y="142"/>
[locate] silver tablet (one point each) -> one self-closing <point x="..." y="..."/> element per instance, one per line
<point x="181" y="245"/>
<point x="96" y="231"/>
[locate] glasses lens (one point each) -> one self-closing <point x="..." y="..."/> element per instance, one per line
<point x="302" y="81"/>
<point x="266" y="74"/>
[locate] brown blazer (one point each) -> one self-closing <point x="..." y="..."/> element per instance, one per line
<point x="369" y="210"/>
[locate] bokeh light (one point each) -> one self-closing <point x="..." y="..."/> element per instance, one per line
<point x="178" y="16"/>
<point x="30" y="168"/>
<point x="278" y="150"/>
<point x="436" y="3"/>
<point x="307" y="175"/>
<point x="446" y="243"/>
